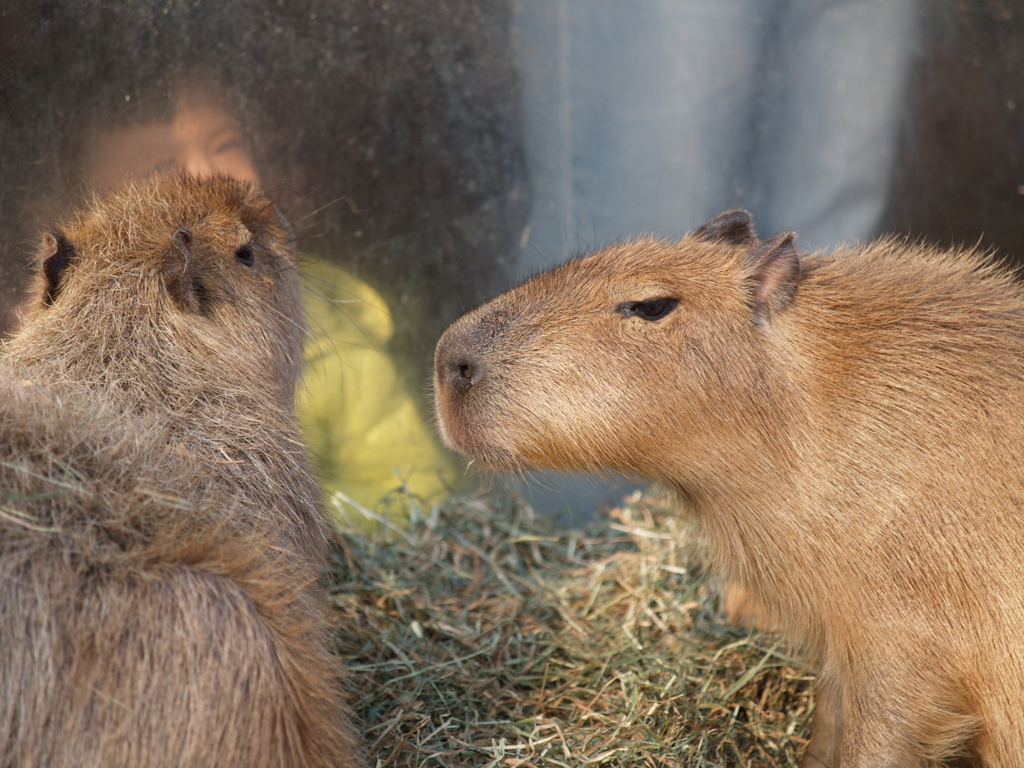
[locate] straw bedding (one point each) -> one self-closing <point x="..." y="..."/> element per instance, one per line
<point x="484" y="636"/>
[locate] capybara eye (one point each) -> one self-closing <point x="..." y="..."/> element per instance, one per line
<point x="245" y="255"/>
<point x="653" y="309"/>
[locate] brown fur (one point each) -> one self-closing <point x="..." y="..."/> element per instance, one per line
<point x="160" y="526"/>
<point x="847" y="429"/>
<point x="210" y="345"/>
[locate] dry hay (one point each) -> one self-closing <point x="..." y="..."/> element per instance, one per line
<point x="483" y="636"/>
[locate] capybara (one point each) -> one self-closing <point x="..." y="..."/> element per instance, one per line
<point x="180" y="298"/>
<point x="846" y="428"/>
<point x="160" y="527"/>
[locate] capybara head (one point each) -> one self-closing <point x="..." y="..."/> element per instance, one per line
<point x="604" y="362"/>
<point x="202" y="269"/>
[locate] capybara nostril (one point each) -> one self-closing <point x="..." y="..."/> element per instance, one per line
<point x="460" y="363"/>
<point x="467" y="372"/>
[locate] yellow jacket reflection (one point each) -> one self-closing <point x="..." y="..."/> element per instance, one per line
<point x="364" y="429"/>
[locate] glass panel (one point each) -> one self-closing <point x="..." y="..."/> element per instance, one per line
<point x="430" y="152"/>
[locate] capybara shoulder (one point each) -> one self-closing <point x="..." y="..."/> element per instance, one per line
<point x="847" y="429"/>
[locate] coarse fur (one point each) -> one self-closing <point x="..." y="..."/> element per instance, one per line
<point x="187" y="331"/>
<point x="846" y="428"/>
<point x="162" y="533"/>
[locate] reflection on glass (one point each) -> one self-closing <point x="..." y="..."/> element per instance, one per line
<point x="367" y="434"/>
<point x="201" y="138"/>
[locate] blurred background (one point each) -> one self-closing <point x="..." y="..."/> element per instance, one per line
<point x="431" y="153"/>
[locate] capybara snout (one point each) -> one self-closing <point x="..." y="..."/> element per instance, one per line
<point x="464" y="357"/>
<point x="846" y="429"/>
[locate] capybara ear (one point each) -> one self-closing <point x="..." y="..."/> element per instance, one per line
<point x="732" y="227"/>
<point x="773" y="269"/>
<point x="179" y="271"/>
<point x="59" y="255"/>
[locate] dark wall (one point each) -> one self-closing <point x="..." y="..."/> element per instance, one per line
<point x="960" y="174"/>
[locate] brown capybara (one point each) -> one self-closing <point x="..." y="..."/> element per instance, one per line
<point x="160" y="527"/>
<point x="846" y="428"/>
<point x="180" y="298"/>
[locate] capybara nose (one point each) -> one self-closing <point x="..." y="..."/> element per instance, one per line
<point x="460" y="371"/>
<point x="466" y="351"/>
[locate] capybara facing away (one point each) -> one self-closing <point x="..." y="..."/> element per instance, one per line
<point x="180" y="298"/>
<point x="160" y="527"/>
<point x="846" y="428"/>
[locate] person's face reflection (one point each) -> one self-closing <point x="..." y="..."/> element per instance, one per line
<point x="201" y="138"/>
